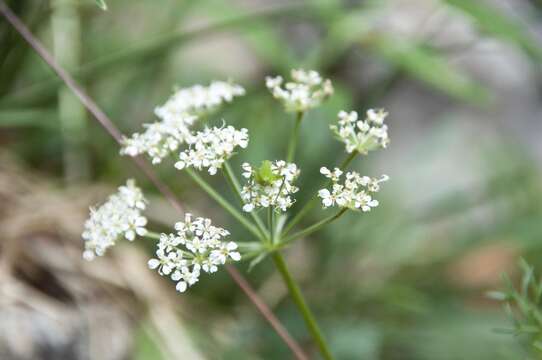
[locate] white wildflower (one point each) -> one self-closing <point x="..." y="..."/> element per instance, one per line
<point x="197" y="246"/>
<point x="306" y="90"/>
<point x="362" y="135"/>
<point x="119" y="217"/>
<point x="271" y="185"/>
<point x="211" y="147"/>
<point x="354" y="193"/>
<point x="198" y="100"/>
<point x="160" y="138"/>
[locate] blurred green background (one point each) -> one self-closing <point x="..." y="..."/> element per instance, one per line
<point x="462" y="82"/>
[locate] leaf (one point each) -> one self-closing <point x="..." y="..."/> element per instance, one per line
<point x="426" y="65"/>
<point x="493" y="22"/>
<point x="101" y="4"/>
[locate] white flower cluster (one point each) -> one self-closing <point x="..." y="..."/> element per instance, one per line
<point x="198" y="100"/>
<point x="196" y="246"/>
<point x="362" y="135"/>
<point x="160" y="138"/>
<point x="306" y="91"/>
<point x="176" y="116"/>
<point x="269" y="186"/>
<point x="211" y="147"/>
<point x="354" y="193"/>
<point x="119" y="217"/>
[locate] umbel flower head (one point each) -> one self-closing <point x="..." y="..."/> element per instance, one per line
<point x="196" y="246"/>
<point x="211" y="147"/>
<point x="270" y="185"/>
<point x="119" y="217"/>
<point x="362" y="135"/>
<point x="198" y="100"/>
<point x="160" y="138"/>
<point x="306" y="90"/>
<point x="355" y="193"/>
<point x="176" y="116"/>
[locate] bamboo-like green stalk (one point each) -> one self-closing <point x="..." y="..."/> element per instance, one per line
<point x="312" y="203"/>
<point x="301" y="304"/>
<point x="66" y="30"/>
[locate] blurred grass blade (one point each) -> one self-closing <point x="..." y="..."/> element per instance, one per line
<point x="101" y="4"/>
<point x="428" y="66"/>
<point x="24" y="118"/>
<point x="494" y="23"/>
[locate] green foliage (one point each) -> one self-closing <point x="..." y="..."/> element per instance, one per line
<point x="494" y="23"/>
<point x="102" y="4"/>
<point x="523" y="305"/>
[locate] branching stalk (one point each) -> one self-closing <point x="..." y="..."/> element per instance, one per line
<point x="301" y="304"/>
<point x="223" y="202"/>
<point x="313" y="228"/>
<point x="312" y="203"/>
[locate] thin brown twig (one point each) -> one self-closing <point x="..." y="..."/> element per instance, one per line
<point x="104" y="120"/>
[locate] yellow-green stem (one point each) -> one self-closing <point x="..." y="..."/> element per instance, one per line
<point x="223" y="202"/>
<point x="301" y="304"/>
<point x="294" y="137"/>
<point x="312" y="203"/>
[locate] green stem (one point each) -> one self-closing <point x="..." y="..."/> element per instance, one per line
<point x="270" y="226"/>
<point x="301" y="304"/>
<point x="223" y="202"/>
<point x="293" y="138"/>
<point x="234" y="184"/>
<point x="313" y="228"/>
<point x="312" y="203"/>
<point x="152" y="235"/>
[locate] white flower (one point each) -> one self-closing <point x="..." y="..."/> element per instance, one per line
<point x="159" y="139"/>
<point x="269" y="186"/>
<point x="197" y="245"/>
<point x="198" y="100"/>
<point x="211" y="147"/>
<point x="176" y="116"/>
<point x="306" y="91"/>
<point x="119" y="217"/>
<point x="362" y="135"/>
<point x="354" y="193"/>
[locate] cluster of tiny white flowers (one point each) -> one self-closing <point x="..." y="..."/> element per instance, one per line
<point x="177" y="116"/>
<point x="306" y="91"/>
<point x="211" y="147"/>
<point x="197" y="245"/>
<point x="160" y="138"/>
<point x="198" y="100"/>
<point x="362" y="135"/>
<point x="119" y="217"/>
<point x="354" y="193"/>
<point x="273" y="192"/>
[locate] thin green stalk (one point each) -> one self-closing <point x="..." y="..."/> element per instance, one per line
<point x="234" y="183"/>
<point x="152" y="235"/>
<point x="223" y="202"/>
<point x="313" y="228"/>
<point x="294" y="137"/>
<point x="301" y="304"/>
<point x="270" y="217"/>
<point x="66" y="29"/>
<point x="312" y="203"/>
